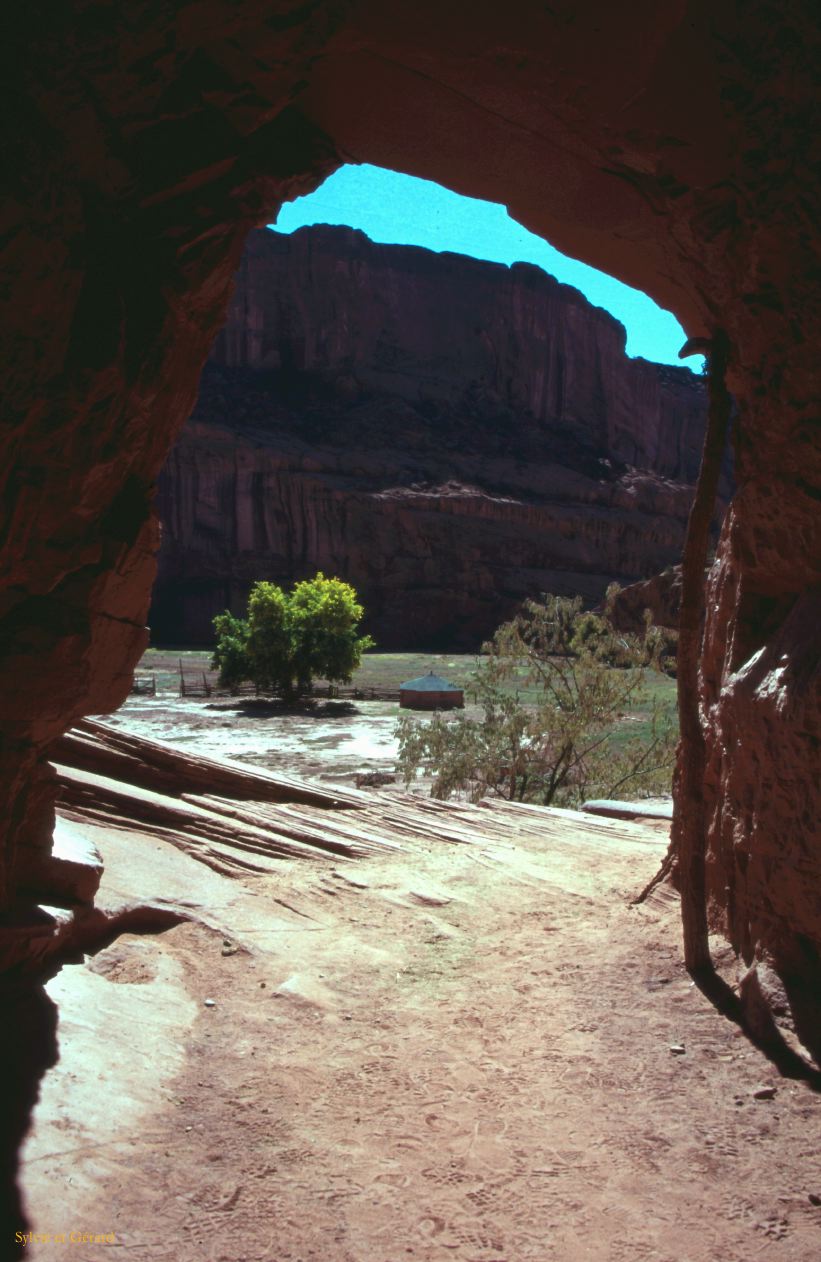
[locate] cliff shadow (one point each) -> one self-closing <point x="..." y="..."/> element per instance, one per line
<point x="28" y="1048"/>
<point x="759" y="1027"/>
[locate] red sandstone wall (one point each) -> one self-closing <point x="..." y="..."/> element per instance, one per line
<point x="448" y="435"/>
<point x="436" y="566"/>
<point x="419" y="325"/>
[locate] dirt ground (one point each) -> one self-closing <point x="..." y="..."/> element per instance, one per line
<point x="468" y="1052"/>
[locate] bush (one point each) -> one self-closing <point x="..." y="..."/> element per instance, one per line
<point x="567" y="740"/>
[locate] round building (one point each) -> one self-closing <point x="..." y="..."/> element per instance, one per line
<point x="430" y="692"/>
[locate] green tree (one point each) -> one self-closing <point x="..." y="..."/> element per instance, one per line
<point x="290" y="638"/>
<point x="269" y="647"/>
<point x="229" y="656"/>
<point x="553" y="708"/>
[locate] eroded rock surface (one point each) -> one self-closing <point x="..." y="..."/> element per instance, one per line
<point x="451" y="436"/>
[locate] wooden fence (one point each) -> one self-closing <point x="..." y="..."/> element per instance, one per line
<point x="144" y="685"/>
<point x="201" y="683"/>
<point x="347" y="692"/>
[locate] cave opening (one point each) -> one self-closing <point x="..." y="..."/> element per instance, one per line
<point x="456" y="337"/>
<point x="395" y="208"/>
<point x="591" y="151"/>
<point x="143" y="158"/>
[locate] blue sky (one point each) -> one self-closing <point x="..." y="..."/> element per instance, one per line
<point x="395" y="208"/>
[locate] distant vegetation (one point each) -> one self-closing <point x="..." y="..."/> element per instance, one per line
<point x="288" y="639"/>
<point x="559" y="691"/>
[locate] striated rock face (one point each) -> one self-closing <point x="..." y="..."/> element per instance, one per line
<point x="449" y="435"/>
<point x="439" y="329"/>
<point x="665" y="143"/>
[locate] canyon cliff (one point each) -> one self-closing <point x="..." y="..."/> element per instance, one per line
<point x="449" y="435"/>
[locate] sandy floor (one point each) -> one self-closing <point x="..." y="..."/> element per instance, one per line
<point x="453" y="1052"/>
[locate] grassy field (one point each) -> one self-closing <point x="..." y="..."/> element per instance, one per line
<point x="389" y="670"/>
<point x="378" y="670"/>
<point x="657" y="688"/>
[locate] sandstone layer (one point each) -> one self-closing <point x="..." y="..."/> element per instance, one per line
<point x="450" y="436"/>
<point x="666" y="143"/>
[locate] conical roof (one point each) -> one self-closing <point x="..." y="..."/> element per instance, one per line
<point x="429" y="683"/>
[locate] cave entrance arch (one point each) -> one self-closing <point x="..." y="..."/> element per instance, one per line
<point x="142" y="158"/>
